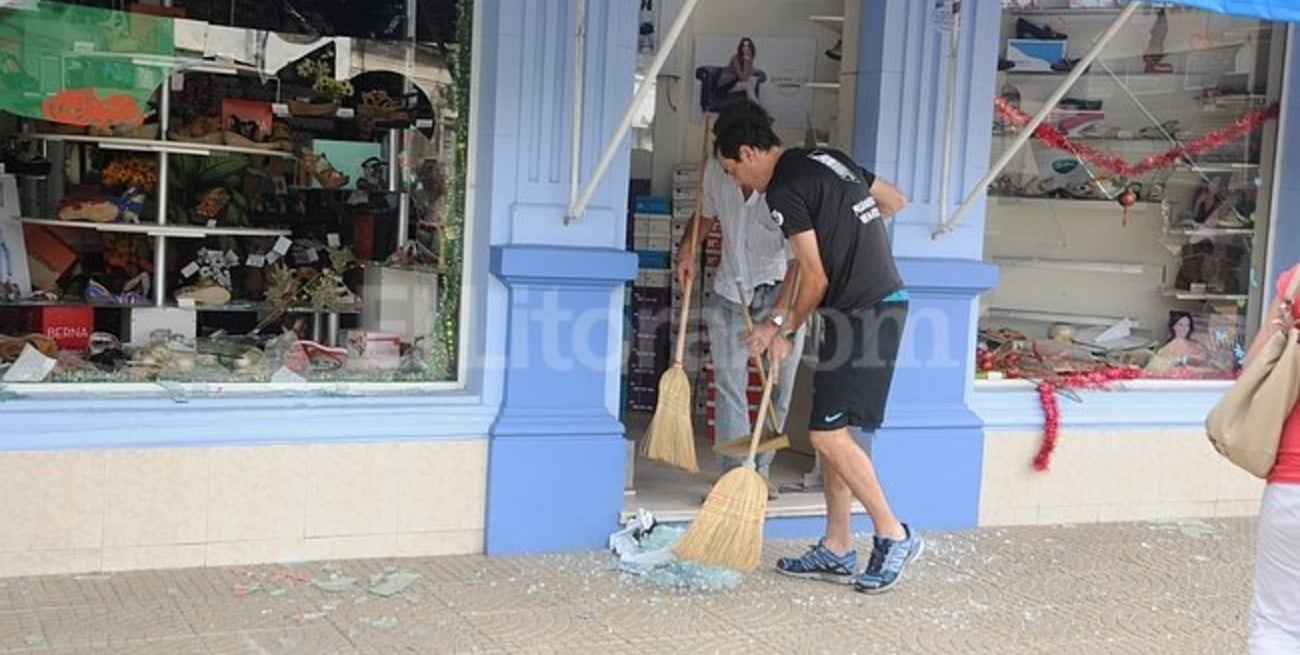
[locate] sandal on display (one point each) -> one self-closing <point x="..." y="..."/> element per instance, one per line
<point x="1028" y="30"/>
<point x="209" y="294"/>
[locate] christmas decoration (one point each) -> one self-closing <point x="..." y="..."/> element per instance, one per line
<point x="1099" y="379"/>
<point x="1107" y="162"/>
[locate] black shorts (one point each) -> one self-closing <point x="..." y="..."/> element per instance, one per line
<point x="856" y="366"/>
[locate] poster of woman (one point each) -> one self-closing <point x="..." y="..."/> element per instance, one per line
<point x="773" y="71"/>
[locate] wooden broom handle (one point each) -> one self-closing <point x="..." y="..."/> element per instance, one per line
<point x="680" y="353"/>
<point x="765" y="404"/>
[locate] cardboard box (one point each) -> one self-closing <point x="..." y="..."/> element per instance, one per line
<point x="145" y="320"/>
<point x="69" y="326"/>
<point x="48" y="257"/>
<point x="399" y="301"/>
<point x="1035" y="55"/>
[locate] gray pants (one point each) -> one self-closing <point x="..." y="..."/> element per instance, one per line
<point x="731" y="373"/>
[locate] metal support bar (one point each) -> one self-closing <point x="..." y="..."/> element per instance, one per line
<point x="579" y="70"/>
<point x="576" y="208"/>
<point x="949" y="102"/>
<point x="164" y="174"/>
<point x="1027" y="131"/>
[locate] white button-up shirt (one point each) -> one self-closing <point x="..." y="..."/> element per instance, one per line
<point x="753" y="248"/>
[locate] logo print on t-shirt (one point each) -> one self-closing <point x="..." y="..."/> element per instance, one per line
<point x="778" y="217"/>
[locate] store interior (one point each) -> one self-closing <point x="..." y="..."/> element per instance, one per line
<point x="803" y="63"/>
<point x="230" y="192"/>
<point x="1133" y="236"/>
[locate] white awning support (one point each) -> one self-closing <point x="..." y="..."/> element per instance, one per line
<point x="947" y="225"/>
<point x="578" y="203"/>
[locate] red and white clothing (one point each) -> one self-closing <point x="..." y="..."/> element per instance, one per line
<point x="1275" y="608"/>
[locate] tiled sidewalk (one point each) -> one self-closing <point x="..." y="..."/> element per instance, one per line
<point x="1178" y="587"/>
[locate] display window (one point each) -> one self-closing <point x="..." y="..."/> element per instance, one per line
<point x="1131" y="229"/>
<point x="233" y="191"/>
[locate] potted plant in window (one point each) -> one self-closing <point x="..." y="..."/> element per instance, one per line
<point x="327" y="90"/>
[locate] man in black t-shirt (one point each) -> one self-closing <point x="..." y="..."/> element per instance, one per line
<point x="833" y="214"/>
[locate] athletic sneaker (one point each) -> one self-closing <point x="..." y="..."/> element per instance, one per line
<point x="888" y="558"/>
<point x="819" y="563"/>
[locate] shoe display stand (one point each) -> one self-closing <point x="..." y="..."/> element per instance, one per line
<point x="843" y="89"/>
<point x="1072" y="255"/>
<point x="323" y="324"/>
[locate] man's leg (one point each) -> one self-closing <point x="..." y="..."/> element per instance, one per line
<point x="730" y="375"/>
<point x="839" y="509"/>
<point x="846" y="466"/>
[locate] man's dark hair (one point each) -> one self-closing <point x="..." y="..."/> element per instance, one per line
<point x="743" y="122"/>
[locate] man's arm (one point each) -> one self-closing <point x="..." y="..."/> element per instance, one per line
<point x="889" y="198"/>
<point x="812" y="278"/>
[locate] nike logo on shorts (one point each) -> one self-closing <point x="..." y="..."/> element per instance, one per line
<point x="831" y="418"/>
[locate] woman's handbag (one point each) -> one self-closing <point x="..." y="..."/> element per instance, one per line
<point x="1246" y="424"/>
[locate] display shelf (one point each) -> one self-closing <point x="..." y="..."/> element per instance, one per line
<point x="1185" y="294"/>
<point x="1070" y="203"/>
<point x="230" y="307"/>
<point x="1054" y="317"/>
<point x="157" y="146"/>
<point x="1119" y="268"/>
<point x="833" y="22"/>
<point x="1218" y="167"/>
<point x="155" y="229"/>
<point x="281" y="110"/>
<point x="1111" y="11"/>
<point x="1211" y="231"/>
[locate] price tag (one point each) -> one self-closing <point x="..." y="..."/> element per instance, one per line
<point x="190" y="269"/>
<point x="272" y="257"/>
<point x="232" y="259"/>
<point x="255" y="261"/>
<point x="212" y="222"/>
<point x="332" y="239"/>
<point x="282" y="246"/>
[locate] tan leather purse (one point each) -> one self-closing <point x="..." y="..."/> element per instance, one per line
<point x="1246" y="424"/>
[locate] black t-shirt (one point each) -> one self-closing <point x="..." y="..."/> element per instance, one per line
<point x="826" y="191"/>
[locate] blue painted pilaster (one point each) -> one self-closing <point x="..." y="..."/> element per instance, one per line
<point x="929" y="452"/>
<point x="557" y="459"/>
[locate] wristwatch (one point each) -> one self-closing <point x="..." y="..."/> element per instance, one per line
<point x="778" y="319"/>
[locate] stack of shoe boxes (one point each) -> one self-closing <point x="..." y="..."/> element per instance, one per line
<point x="648" y="349"/>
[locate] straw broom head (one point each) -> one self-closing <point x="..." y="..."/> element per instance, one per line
<point x="670" y="437"/>
<point x="728" y="531"/>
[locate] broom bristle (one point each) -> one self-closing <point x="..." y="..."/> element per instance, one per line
<point x="670" y="437"/>
<point x="728" y="531"/>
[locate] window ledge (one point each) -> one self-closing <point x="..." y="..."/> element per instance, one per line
<point x="83" y="416"/>
<point x="1135" y="404"/>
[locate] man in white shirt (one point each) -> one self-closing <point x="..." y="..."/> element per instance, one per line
<point x="754" y="251"/>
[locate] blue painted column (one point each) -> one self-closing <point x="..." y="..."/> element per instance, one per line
<point x="929" y="452"/>
<point x="557" y="456"/>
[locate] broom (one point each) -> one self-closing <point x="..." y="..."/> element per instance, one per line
<point x="670" y="437"/>
<point x="738" y="446"/>
<point x="728" y="531"/>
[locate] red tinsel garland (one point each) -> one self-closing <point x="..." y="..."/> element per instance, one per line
<point x="1047" y="389"/>
<point x="1209" y="141"/>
